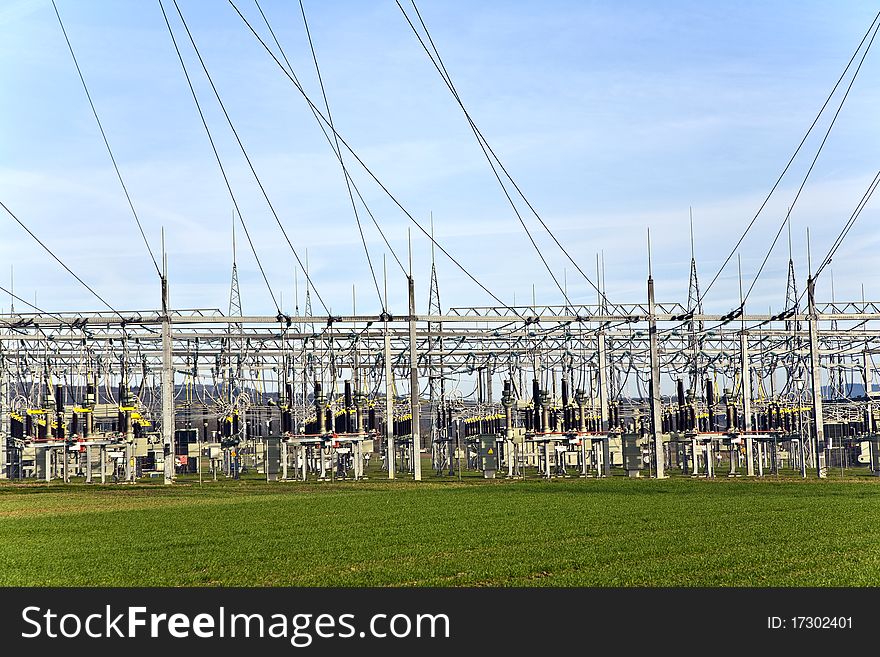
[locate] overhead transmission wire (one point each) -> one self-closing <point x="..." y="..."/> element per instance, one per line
<point x="338" y="153"/>
<point x="494" y="171"/>
<point x="365" y="167"/>
<point x="848" y="225"/>
<point x="217" y="155"/>
<point x="60" y="262"/>
<point x="856" y="213"/>
<point x="738" y="311"/>
<point x="61" y="319"/>
<point x="791" y="159"/>
<point x="246" y="156"/>
<point x="107" y="142"/>
<point x="812" y="164"/>
<point x="489" y="152"/>
<point x="330" y="141"/>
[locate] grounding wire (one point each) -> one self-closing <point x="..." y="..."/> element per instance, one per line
<point x="217" y="155"/>
<point x="244" y="152"/>
<point x="366" y="168"/>
<point x="338" y="152"/>
<point x="106" y="142"/>
<point x="59" y="261"/>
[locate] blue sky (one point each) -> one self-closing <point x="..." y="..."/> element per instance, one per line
<point x="613" y="117"/>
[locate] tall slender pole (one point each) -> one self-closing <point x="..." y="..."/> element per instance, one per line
<point x="389" y="389"/>
<point x="816" y="380"/>
<point x="167" y="382"/>
<point x="746" y="373"/>
<point x="603" y="382"/>
<point x="746" y="378"/>
<point x="415" y="404"/>
<point x="4" y="417"/>
<point x="656" y="419"/>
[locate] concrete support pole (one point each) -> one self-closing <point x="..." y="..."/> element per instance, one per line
<point x="816" y="380"/>
<point x="508" y="434"/>
<point x="655" y="383"/>
<point x="415" y="404"/>
<point x="604" y="423"/>
<point x="389" y="406"/>
<point x="167" y="388"/>
<point x="4" y="417"/>
<point x="867" y="365"/>
<point x="746" y="374"/>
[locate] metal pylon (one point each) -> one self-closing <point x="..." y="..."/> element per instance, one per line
<point x="436" y="384"/>
<point x="695" y="306"/>
<point x="234" y="342"/>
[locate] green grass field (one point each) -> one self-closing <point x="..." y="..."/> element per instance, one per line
<point x="572" y="532"/>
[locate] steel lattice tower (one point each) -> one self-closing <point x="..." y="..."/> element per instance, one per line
<point x="234" y="344"/>
<point x="695" y="307"/>
<point x="436" y="383"/>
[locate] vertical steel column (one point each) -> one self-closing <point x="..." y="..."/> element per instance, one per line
<point x="167" y="387"/>
<point x="869" y="411"/>
<point x="604" y="425"/>
<point x="389" y="407"/>
<point x="656" y="419"/>
<point x="816" y="379"/>
<point x="746" y="374"/>
<point x="4" y="416"/>
<point x="415" y="404"/>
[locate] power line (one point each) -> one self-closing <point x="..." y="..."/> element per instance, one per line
<point x="106" y="142"/>
<point x="330" y="141"/>
<point x="217" y="155"/>
<point x="487" y="150"/>
<point x="338" y="152"/>
<point x="812" y="164"/>
<point x="40" y="310"/>
<point x="849" y="224"/>
<point x="366" y="168"/>
<point x="494" y="171"/>
<point x="59" y="261"/>
<point x="791" y="159"/>
<point x="245" y="153"/>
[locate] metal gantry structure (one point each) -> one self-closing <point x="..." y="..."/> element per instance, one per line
<point x="662" y="387"/>
<point x="644" y="386"/>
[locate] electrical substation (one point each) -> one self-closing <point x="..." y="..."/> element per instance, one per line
<point x="642" y="388"/>
<point x="98" y="398"/>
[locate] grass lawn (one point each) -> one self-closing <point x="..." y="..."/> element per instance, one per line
<point x="567" y="532"/>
